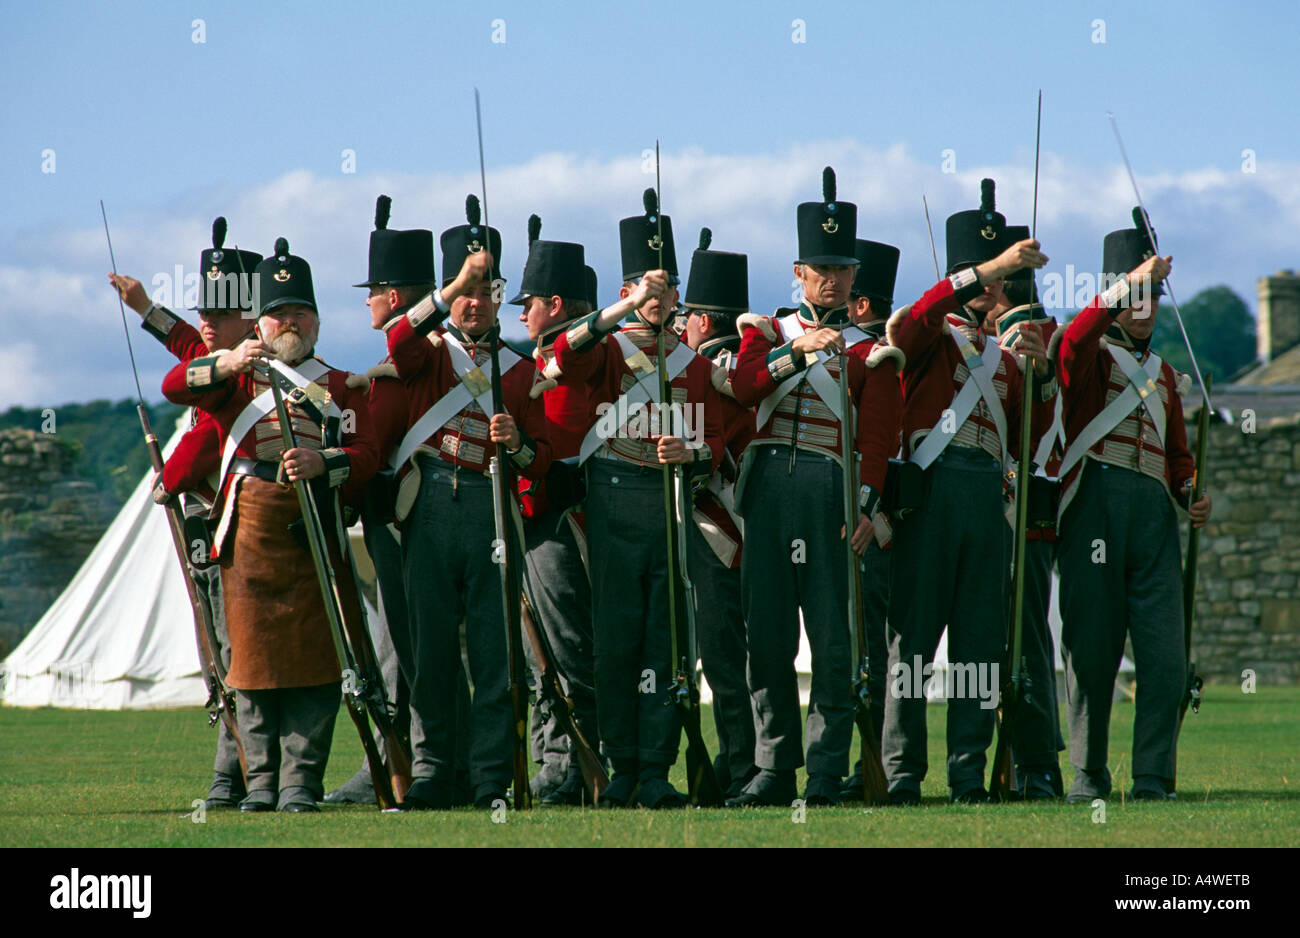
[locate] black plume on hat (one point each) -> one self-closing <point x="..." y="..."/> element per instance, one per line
<point x="976" y="236"/>
<point x="1127" y="248"/>
<point x="398" y="258"/>
<point x="461" y="241"/>
<point x="719" y="281"/>
<point x="646" y="241"/>
<point x="283" y="279"/>
<point x="534" y="228"/>
<point x="226" y="283"/>
<point x="827" y="228"/>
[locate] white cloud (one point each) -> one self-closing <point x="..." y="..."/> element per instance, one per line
<point x="1221" y="226"/>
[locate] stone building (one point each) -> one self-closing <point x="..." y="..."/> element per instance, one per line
<point x="1248" y="587"/>
<point x="49" y="521"/>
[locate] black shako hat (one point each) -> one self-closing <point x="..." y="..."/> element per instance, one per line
<point x="1014" y="234"/>
<point x="460" y="242"/>
<point x="1127" y="248"/>
<point x="827" y="228"/>
<point x="227" y="282"/>
<point x="975" y="236"/>
<point x="592" y="292"/>
<point x="398" y="258"/>
<point x="719" y="280"/>
<point x="553" y="268"/>
<point x="641" y="242"/>
<point x="877" y="269"/>
<point x="282" y="279"/>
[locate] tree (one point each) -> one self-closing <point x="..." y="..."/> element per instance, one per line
<point x="1221" y="330"/>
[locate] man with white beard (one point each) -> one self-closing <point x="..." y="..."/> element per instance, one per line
<point x="283" y="665"/>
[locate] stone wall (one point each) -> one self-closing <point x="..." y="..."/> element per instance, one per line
<point x="1248" y="597"/>
<point x="49" y="521"/>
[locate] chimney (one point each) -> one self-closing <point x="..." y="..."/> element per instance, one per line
<point x="1279" y="314"/>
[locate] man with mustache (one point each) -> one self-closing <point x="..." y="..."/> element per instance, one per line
<point x="962" y="397"/>
<point x="283" y="665"/>
<point x="790" y="369"/>
<point x="225" y="319"/>
<point x="1126" y="466"/>
<point x="444" y="506"/>
<point x="625" y="516"/>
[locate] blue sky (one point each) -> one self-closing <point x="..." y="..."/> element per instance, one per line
<point x="253" y="122"/>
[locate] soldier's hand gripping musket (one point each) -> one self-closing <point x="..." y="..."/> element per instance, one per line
<point x="363" y="690"/>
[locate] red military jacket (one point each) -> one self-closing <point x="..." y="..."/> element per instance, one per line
<point x="936" y="370"/>
<point x="802" y="417"/>
<point x="568" y="411"/>
<point x="349" y="465"/>
<point x="599" y="366"/>
<point x="425" y="365"/>
<point x="715" y="509"/>
<point x="1091" y="379"/>
<point x="193" y="464"/>
<point x="1047" y="446"/>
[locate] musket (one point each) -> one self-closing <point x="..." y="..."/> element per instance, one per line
<point x="363" y="691"/>
<point x="875" y="789"/>
<point x="221" y="700"/>
<point x="703" y="789"/>
<point x="1169" y="289"/>
<point x="1014" y="692"/>
<point x="560" y="705"/>
<point x="507" y="542"/>
<point x="1192" y="693"/>
<point x="934" y="256"/>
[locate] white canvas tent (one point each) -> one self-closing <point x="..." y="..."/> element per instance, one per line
<point x="121" y="635"/>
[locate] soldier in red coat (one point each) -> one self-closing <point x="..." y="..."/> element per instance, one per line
<point x="225" y="319"/>
<point x="558" y="288"/>
<point x="962" y="397"/>
<point x="400" y="273"/>
<point x="625" y="450"/>
<point x="444" y="508"/>
<point x="1036" y="735"/>
<point x="870" y="302"/>
<point x="794" y="560"/>
<point x="283" y="663"/>
<point x="717" y="292"/>
<point x="1126" y="466"/>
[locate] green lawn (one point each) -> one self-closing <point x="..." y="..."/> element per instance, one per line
<point x="72" y="778"/>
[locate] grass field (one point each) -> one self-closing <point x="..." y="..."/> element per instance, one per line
<point x="81" y="779"/>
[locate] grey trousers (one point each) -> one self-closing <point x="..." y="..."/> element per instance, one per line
<point x="208" y="581"/>
<point x="560" y="595"/>
<point x="794" y="559"/>
<point x="287" y="734"/>
<point x="629" y="599"/>
<point x="949" y="568"/>
<point x="447" y="551"/>
<point x="1037" y="732"/>
<point x="720" y="633"/>
<point x="1136" y="591"/>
